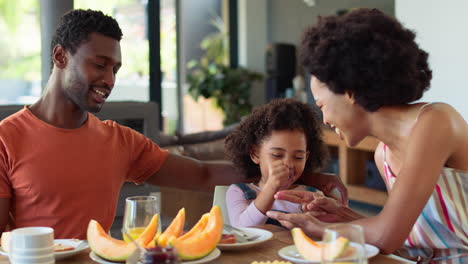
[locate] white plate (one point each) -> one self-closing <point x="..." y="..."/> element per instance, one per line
<point x="264" y="235"/>
<point x="79" y="246"/>
<point x="290" y="253"/>
<point x="213" y="255"/>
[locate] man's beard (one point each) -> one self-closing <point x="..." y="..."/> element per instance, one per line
<point x="79" y="95"/>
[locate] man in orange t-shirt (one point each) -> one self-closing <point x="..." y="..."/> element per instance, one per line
<point x="60" y="166"/>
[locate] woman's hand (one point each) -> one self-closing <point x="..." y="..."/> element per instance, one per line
<point x="330" y="184"/>
<point x="324" y="208"/>
<point x="309" y="224"/>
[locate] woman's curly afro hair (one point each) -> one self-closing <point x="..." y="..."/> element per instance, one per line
<point x="368" y="55"/>
<point x="278" y="115"/>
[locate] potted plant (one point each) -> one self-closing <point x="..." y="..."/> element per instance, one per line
<point x="212" y="77"/>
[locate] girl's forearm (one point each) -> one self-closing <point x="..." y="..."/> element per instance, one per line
<point x="265" y="199"/>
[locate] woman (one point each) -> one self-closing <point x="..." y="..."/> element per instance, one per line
<point x="367" y="71"/>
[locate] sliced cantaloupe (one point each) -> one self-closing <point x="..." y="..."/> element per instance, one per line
<point x="197" y="228"/>
<point x="113" y="249"/>
<point x="311" y="250"/>
<point x="5" y="240"/>
<point x="107" y="247"/>
<point x="151" y="244"/>
<point x="173" y="230"/>
<point x="308" y="248"/>
<point x="148" y="234"/>
<point x="201" y="244"/>
<point x="338" y="248"/>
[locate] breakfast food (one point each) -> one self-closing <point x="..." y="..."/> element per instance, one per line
<point x="106" y="247"/>
<point x="202" y="243"/>
<point x="227" y="239"/>
<point x="160" y="254"/>
<point x="173" y="230"/>
<point x="60" y="247"/>
<point x="311" y="250"/>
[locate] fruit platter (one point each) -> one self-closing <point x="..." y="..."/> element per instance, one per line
<point x="199" y="242"/>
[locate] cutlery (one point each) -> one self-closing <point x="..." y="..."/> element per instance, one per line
<point x="240" y="234"/>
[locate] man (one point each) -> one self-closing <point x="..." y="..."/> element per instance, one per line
<point x="60" y="166"/>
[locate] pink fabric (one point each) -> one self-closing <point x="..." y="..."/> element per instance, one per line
<point x="244" y="213"/>
<point x="440" y="232"/>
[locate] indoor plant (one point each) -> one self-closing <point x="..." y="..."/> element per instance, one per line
<point x="212" y="77"/>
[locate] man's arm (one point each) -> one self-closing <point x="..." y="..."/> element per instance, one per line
<point x="4" y="213"/>
<point x="187" y="173"/>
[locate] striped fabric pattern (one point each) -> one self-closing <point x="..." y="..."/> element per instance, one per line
<point x="440" y="234"/>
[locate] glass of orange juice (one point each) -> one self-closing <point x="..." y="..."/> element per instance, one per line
<point x="137" y="215"/>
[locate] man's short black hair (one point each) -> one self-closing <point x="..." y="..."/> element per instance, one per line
<point x="75" y="26"/>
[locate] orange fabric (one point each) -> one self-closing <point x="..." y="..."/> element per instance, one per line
<point x="62" y="178"/>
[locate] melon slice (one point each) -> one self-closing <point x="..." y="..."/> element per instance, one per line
<point x="338" y="248"/>
<point x="311" y="250"/>
<point x="197" y="228"/>
<point x="173" y="230"/>
<point x="201" y="244"/>
<point x="308" y="248"/>
<point x="113" y="249"/>
<point x="5" y="240"/>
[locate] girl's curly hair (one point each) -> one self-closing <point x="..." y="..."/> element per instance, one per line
<point x="278" y="115"/>
<point x="369" y="55"/>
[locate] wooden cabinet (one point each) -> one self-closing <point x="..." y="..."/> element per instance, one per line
<point x="352" y="167"/>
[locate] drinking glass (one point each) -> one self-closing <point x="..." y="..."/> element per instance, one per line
<point x="154" y="255"/>
<point x="334" y="249"/>
<point x="137" y="215"/>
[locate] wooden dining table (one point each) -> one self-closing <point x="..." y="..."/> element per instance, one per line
<point x="261" y="252"/>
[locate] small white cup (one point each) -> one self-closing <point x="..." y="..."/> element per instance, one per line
<point x="32" y="245"/>
<point x="43" y="259"/>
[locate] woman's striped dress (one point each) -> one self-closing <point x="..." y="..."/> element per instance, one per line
<point x="440" y="234"/>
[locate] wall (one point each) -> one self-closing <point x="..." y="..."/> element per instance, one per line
<point x="252" y="19"/>
<point x="267" y="21"/>
<point x="441" y="31"/>
<point x="288" y="19"/>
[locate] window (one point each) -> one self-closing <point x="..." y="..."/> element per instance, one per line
<point x="132" y="82"/>
<point x="20" y="62"/>
<point x="168" y="34"/>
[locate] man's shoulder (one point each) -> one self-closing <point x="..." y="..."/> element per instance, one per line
<point x="13" y="120"/>
<point x="112" y="127"/>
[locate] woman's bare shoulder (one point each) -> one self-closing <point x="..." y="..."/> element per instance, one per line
<point x="444" y="119"/>
<point x="442" y="114"/>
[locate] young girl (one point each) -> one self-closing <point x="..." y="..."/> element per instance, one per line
<point x="273" y="146"/>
